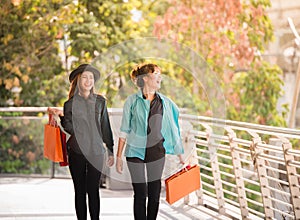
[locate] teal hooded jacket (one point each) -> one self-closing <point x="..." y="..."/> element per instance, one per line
<point x="135" y="122"/>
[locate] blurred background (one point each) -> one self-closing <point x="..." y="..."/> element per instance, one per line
<point x="251" y="47"/>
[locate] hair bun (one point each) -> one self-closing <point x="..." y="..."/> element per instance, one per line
<point x="140" y="71"/>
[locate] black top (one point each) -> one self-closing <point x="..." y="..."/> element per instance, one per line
<point x="155" y="122"/>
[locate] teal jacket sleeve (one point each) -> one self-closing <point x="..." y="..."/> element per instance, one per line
<point x="126" y="118"/>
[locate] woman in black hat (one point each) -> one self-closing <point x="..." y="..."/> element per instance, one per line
<point x="86" y="119"/>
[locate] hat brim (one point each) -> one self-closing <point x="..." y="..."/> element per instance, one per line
<point x="82" y="68"/>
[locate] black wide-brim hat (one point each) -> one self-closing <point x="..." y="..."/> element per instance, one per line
<point x="84" y="67"/>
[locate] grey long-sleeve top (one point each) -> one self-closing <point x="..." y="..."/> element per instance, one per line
<point x="87" y="121"/>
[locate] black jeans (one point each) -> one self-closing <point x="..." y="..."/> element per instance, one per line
<point x="86" y="182"/>
<point x="151" y="187"/>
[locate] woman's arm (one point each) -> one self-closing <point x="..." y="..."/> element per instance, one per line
<point x="119" y="163"/>
<point x="106" y="130"/>
<point x="66" y="119"/>
<point x="124" y="130"/>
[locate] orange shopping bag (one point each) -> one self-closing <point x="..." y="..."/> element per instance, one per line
<point x="182" y="183"/>
<point x="52" y="141"/>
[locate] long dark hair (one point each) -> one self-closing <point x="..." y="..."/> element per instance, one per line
<point x="73" y="86"/>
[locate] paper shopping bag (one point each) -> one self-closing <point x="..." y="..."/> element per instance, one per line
<point x="182" y="183"/>
<point x="52" y="142"/>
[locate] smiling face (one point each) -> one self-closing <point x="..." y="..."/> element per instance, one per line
<point x="153" y="80"/>
<point x="86" y="82"/>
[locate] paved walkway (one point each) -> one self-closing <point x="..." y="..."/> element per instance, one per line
<point x="45" y="199"/>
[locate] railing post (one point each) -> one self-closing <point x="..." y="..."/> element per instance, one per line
<point x="237" y="169"/>
<point x="262" y="176"/>
<point x="189" y="144"/>
<point x="192" y="160"/>
<point x="292" y="178"/>
<point x="199" y="193"/>
<point x="282" y="176"/>
<point x="215" y="170"/>
<point x="52" y="175"/>
<point x="187" y="136"/>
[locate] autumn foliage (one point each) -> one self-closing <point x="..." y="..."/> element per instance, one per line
<point x="231" y="36"/>
<point x="228" y="32"/>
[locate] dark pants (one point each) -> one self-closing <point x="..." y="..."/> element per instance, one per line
<point x="143" y="188"/>
<point x="86" y="182"/>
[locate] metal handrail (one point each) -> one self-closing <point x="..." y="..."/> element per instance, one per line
<point x="242" y="125"/>
<point x="203" y="119"/>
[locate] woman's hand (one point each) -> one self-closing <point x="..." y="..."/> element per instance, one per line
<point x="110" y="161"/>
<point x="119" y="165"/>
<point x="55" y="111"/>
<point x="181" y="161"/>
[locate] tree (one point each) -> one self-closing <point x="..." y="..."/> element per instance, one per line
<point x="29" y="51"/>
<point x="39" y="42"/>
<point x="36" y="35"/>
<point x="254" y="95"/>
<point x="230" y="35"/>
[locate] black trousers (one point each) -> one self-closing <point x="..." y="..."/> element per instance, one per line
<point x="151" y="187"/>
<point x="86" y="182"/>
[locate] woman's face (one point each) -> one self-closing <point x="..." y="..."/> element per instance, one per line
<point x="153" y="80"/>
<point x="86" y="81"/>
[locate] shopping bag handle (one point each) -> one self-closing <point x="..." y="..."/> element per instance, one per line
<point x="52" y="121"/>
<point x="183" y="170"/>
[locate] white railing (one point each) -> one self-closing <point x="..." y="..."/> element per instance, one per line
<point x="248" y="171"/>
<point x="252" y="169"/>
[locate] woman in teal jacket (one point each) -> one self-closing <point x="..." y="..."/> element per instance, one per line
<point x="150" y="130"/>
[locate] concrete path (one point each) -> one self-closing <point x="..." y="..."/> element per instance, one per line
<point x="45" y="199"/>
